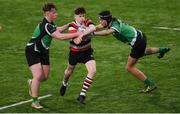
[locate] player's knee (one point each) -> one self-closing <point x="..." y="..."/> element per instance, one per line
<point x="38" y="78"/>
<point x="45" y="78"/>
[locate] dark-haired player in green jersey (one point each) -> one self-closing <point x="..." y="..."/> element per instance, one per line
<point x="136" y="39"/>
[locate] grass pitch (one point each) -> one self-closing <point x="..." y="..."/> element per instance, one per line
<point x="114" y="90"/>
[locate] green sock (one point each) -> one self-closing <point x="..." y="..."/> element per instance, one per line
<point x="148" y="82"/>
<point x="35" y="99"/>
<point x="161" y="50"/>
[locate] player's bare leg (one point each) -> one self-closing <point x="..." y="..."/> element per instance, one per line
<point x="162" y="51"/>
<point x="133" y="70"/>
<point x="37" y="73"/>
<point x="151" y="50"/>
<point x="149" y="85"/>
<point x="67" y="73"/>
<point x="91" y="67"/>
<point x="44" y="76"/>
<point x="45" y="72"/>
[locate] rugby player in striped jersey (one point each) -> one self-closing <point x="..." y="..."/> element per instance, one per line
<point x="80" y="52"/>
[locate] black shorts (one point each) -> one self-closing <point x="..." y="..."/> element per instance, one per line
<point x="80" y="57"/>
<point x="139" y="47"/>
<point x="34" y="57"/>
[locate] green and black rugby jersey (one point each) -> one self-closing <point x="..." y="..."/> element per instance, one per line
<point x="124" y="32"/>
<point x="42" y="35"/>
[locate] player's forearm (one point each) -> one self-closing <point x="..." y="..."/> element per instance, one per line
<point x="101" y="33"/>
<point x="89" y="30"/>
<point x="65" y="36"/>
<point x="98" y="27"/>
<point x="62" y="28"/>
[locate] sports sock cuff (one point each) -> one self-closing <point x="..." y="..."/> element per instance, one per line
<point x="89" y="78"/>
<point x="65" y="83"/>
<point x="148" y="82"/>
<point x="82" y="93"/>
<point x="161" y="50"/>
<point x="34" y="99"/>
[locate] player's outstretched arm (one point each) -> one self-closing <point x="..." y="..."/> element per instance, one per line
<point x="104" y="32"/>
<point x="62" y="28"/>
<point x="65" y="36"/>
<point x="89" y="30"/>
<point x="99" y="27"/>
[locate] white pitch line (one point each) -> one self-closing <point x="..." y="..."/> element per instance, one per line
<point x="23" y="102"/>
<point x="167" y="28"/>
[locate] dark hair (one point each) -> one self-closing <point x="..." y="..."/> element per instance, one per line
<point x="105" y="15"/>
<point x="48" y="7"/>
<point x="79" y="10"/>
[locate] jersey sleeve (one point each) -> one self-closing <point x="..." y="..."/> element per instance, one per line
<point x="71" y="29"/>
<point x="50" y="28"/>
<point x="115" y="26"/>
<point x="88" y="22"/>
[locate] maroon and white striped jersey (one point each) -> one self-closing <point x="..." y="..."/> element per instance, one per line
<point x="86" y="41"/>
